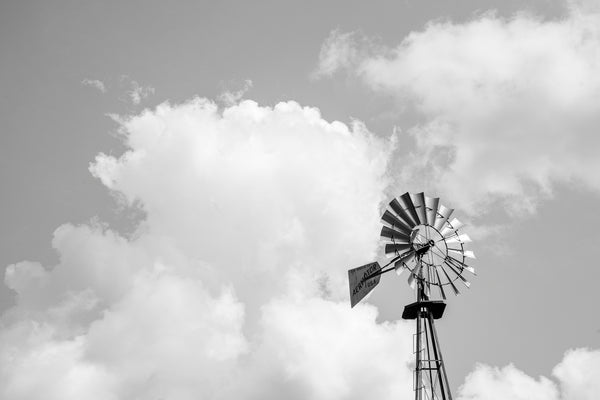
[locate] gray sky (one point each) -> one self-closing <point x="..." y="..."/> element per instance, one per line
<point x="529" y="197"/>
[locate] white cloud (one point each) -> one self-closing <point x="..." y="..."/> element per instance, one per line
<point x="168" y="337"/>
<point x="509" y="106"/>
<point x="339" y="50"/>
<point x="137" y="93"/>
<point x="230" y="98"/>
<point x="273" y="185"/>
<point x="318" y="349"/>
<point x="234" y="284"/>
<point x="94" y="83"/>
<point x="575" y="379"/>
<point x="506" y="383"/>
<point x="578" y="374"/>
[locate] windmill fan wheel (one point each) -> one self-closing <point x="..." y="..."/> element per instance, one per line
<point x="421" y="239"/>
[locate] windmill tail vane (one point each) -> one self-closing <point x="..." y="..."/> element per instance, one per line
<point x="421" y="239"/>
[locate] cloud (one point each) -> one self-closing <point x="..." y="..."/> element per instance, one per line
<point x="508" y="383"/>
<point x="319" y="349"/>
<point x="575" y="379"/>
<point x="508" y="107"/>
<point x="234" y="283"/>
<point x="340" y="50"/>
<point x="578" y="374"/>
<point x="94" y="83"/>
<point x="139" y="92"/>
<point x="230" y="98"/>
<point x="273" y="184"/>
<point x="135" y="92"/>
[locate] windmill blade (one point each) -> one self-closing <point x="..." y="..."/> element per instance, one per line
<point x="463" y="238"/>
<point x="442" y="292"/>
<point x="419" y="203"/>
<point x="405" y="257"/>
<point x="413" y="235"/>
<point x="393" y="235"/>
<point x="458" y="274"/>
<point x="469" y="254"/>
<point x="450" y="229"/>
<point x="465" y="253"/>
<point x="456" y="224"/>
<point x="413" y="275"/>
<point x="443" y="215"/>
<point x="411" y="281"/>
<point x="400" y="268"/>
<point x="432" y="207"/>
<point x="400" y="264"/>
<point x="440" y="286"/>
<point x="395" y="223"/>
<point x="455" y="251"/>
<point x="396" y="248"/>
<point x="464" y="281"/>
<point x="433" y="276"/>
<point x="461" y="265"/>
<point x="454" y="288"/>
<point x="470" y="269"/>
<point x="456" y="263"/>
<point x="408" y="203"/>
<point x="397" y="208"/>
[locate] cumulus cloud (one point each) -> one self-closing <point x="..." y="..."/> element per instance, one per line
<point x="94" y="83"/>
<point x="319" y="349"/>
<point x="233" y="285"/>
<point x="509" y="107"/>
<point x="272" y="186"/>
<point x="493" y="383"/>
<point x="575" y="379"/>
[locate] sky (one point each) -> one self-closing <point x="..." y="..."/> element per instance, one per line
<point x="185" y="185"/>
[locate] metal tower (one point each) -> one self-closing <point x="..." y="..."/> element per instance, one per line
<point x="420" y="239"/>
<point x="430" y="378"/>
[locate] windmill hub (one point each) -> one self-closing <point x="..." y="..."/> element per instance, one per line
<point x="421" y="249"/>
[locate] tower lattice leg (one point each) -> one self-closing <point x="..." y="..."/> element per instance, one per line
<point x="430" y="378"/>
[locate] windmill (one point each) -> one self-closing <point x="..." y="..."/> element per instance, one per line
<point x="425" y="244"/>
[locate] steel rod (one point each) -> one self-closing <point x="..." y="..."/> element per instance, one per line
<point x="438" y="356"/>
<point x="438" y="361"/>
<point x="418" y="360"/>
<point x="427" y="340"/>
